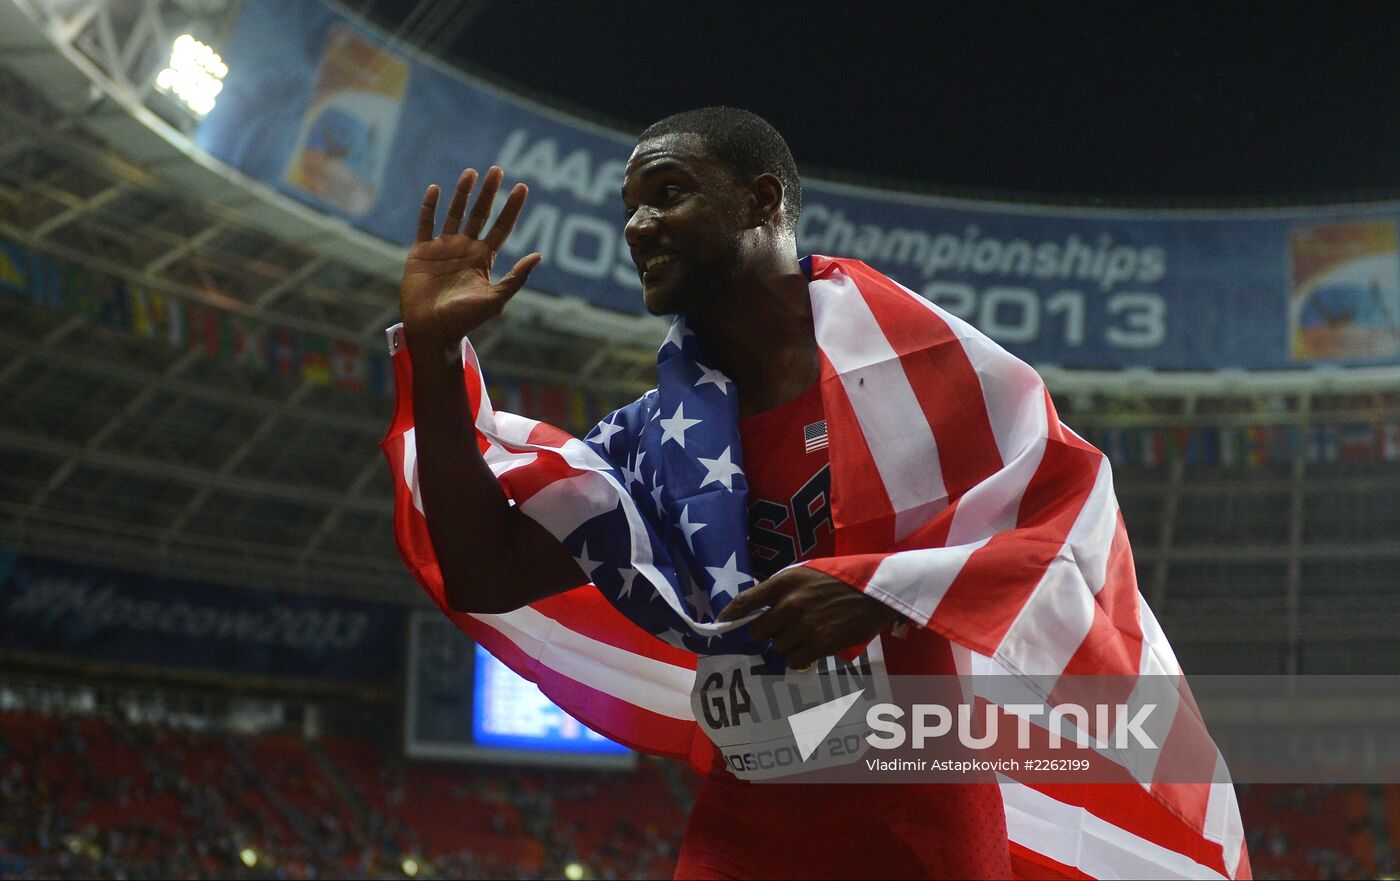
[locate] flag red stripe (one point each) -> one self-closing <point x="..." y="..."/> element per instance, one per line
<point x="547" y="435"/>
<point x="1031" y="866"/>
<point x="1188" y="754"/>
<point x="522" y="483"/>
<point x="943" y="379"/>
<point x="628" y="724"/>
<point x="410" y="529"/>
<point x="588" y="612"/>
<point x="1113" y="646"/>
<point x="998" y="578"/>
<point x="864" y="519"/>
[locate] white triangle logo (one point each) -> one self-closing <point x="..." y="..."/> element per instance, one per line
<point x="810" y="727"/>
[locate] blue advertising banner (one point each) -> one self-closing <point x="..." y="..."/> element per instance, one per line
<point x="335" y="114"/>
<point x="97" y="614"/>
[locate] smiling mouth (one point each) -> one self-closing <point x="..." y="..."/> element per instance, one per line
<point x="653" y="263"/>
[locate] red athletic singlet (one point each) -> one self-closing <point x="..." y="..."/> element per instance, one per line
<point x="771" y="830"/>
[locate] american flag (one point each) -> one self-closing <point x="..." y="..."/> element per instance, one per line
<point x="958" y="498"/>
<point x="814" y="436"/>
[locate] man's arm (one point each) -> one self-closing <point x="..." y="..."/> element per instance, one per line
<point x="493" y="558"/>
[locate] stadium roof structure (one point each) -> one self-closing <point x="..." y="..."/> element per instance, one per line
<point x="127" y="451"/>
<point x="124" y="449"/>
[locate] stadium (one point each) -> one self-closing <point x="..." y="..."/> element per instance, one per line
<point x="213" y="660"/>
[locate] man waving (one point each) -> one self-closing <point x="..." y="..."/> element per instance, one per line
<point x="829" y="467"/>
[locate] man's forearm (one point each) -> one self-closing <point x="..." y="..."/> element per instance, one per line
<point x="467" y="512"/>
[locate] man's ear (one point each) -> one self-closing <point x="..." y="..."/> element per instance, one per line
<point x="765" y="199"/>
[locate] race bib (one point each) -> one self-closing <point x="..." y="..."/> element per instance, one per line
<point x="772" y="725"/>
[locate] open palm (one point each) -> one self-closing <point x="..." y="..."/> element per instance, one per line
<point x="447" y="290"/>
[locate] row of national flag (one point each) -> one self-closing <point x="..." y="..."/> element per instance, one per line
<point x="1251" y="446"/>
<point x="252" y="344"/>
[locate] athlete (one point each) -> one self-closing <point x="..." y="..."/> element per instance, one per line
<point x="712" y="199"/>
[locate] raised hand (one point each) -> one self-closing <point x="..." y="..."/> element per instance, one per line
<point x="447" y="290"/>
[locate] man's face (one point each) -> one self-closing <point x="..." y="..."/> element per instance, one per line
<point x="684" y="221"/>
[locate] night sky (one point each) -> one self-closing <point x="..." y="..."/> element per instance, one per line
<point x="1060" y="100"/>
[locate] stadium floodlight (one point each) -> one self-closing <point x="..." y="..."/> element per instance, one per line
<point x="410" y="867"/>
<point x="195" y="74"/>
<point x="248" y="856"/>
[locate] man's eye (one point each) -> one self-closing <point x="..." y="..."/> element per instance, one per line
<point x="660" y="196"/>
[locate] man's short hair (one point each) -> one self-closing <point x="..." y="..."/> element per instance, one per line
<point x="743" y="142"/>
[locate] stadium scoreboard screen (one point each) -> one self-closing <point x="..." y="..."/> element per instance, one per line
<point x="463" y="704"/>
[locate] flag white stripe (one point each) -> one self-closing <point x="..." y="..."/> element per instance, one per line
<point x="916" y="581"/>
<point x="1013" y="396"/>
<point x="992" y="506"/>
<point x="486" y="415"/>
<point x="1091" y="539"/>
<point x="900" y="439"/>
<point x="502" y="461"/>
<point x="1052" y="624"/>
<point x="1142" y="763"/>
<point x="410" y="467"/>
<point x="653" y="685"/>
<point x="1158" y="659"/>
<point x="1009" y="385"/>
<point x="1223" y="822"/>
<point x="1071" y="835"/>
<point x="566" y="504"/>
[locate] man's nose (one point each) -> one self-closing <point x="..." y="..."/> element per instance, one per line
<point x="641" y="225"/>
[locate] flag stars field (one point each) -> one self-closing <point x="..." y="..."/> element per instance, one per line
<point x="728" y="578"/>
<point x="720" y="470"/>
<point x="605" y="432"/>
<point x="588" y="566"/>
<point x="633" y="474"/>
<point x="627" y="574"/>
<point x="689" y="528"/>
<point x="674" y="429"/>
<point x="714" y="377"/>
<point x="677" y="334"/>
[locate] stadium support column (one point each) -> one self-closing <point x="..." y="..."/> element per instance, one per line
<point x="1171" y="496"/>
<point x="1294" y="577"/>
